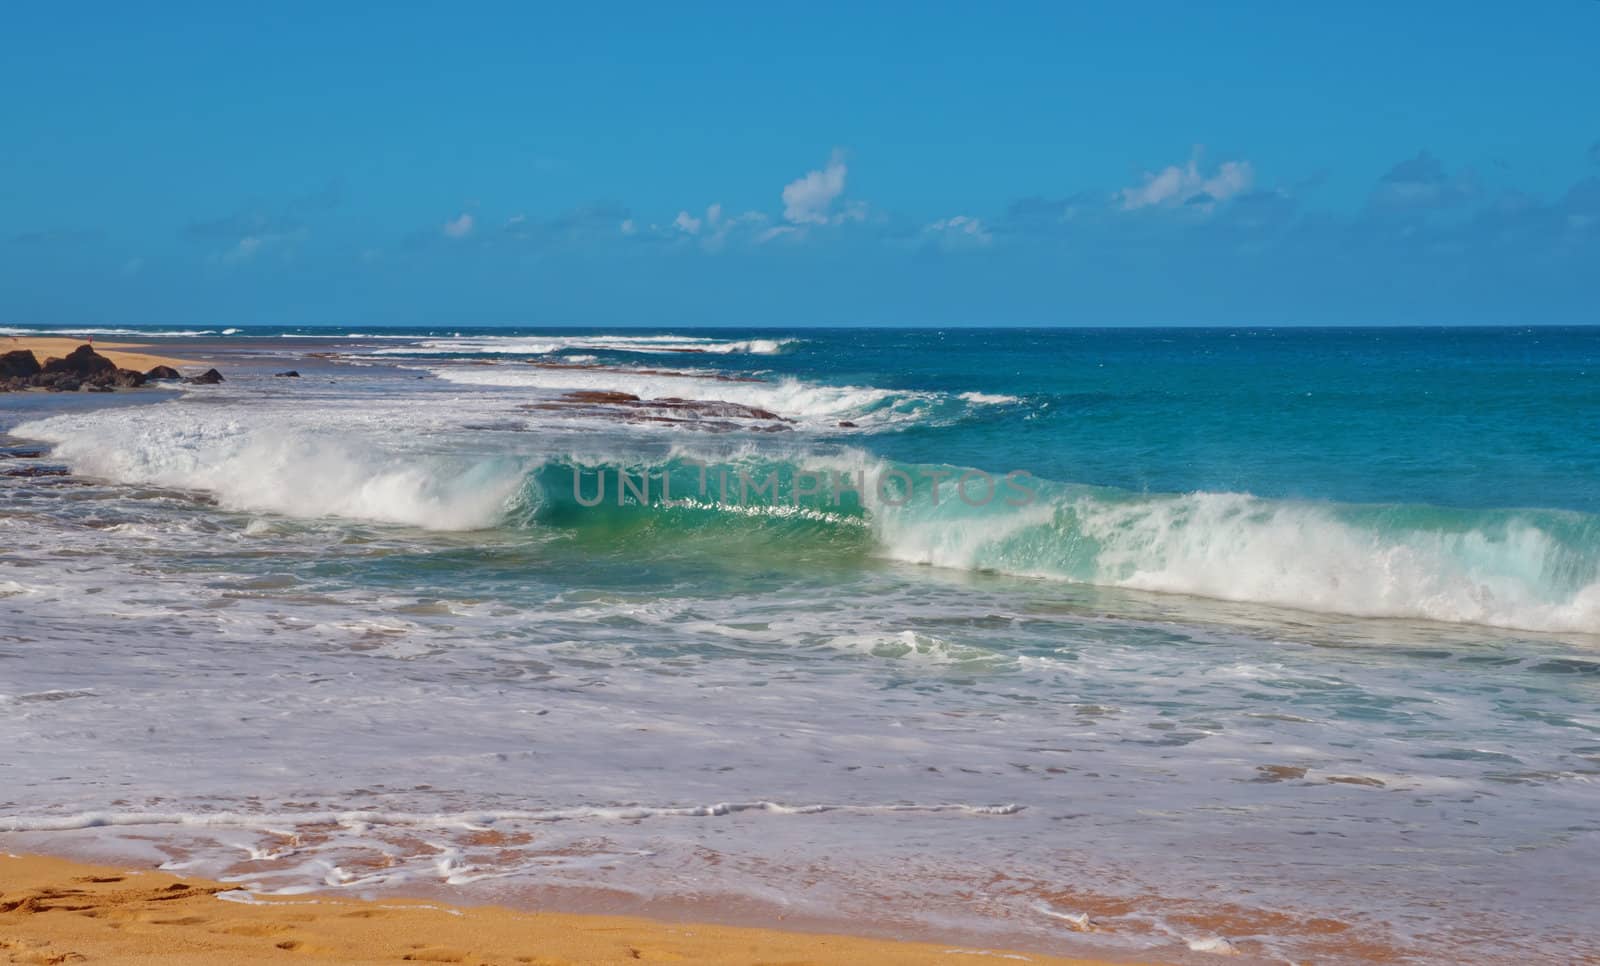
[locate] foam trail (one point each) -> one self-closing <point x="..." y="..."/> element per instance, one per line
<point x="469" y="820"/>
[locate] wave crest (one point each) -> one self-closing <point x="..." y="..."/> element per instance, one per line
<point x="1532" y="569"/>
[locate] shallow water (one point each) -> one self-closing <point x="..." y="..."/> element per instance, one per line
<point x="1294" y="644"/>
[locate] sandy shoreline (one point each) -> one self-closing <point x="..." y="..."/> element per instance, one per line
<point x="55" y="910"/>
<point x="125" y="355"/>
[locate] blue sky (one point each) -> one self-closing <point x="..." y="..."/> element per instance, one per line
<point x="1066" y="163"/>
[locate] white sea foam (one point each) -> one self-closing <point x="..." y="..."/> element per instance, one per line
<point x="314" y="465"/>
<point x="810" y="404"/>
<point x="988" y="399"/>
<point x="6" y="330"/>
<point x="914" y="647"/>
<point x="543" y="345"/>
<point x="1215" y="945"/>
<point x="471" y="820"/>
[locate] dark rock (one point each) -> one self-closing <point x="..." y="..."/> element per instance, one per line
<point x="707" y="414"/>
<point x="599" y="396"/>
<point x="291" y="374"/>
<point x="123" y="379"/>
<point x="163" y="372"/>
<point x="21" y="362"/>
<point x="846" y="424"/>
<point x="96" y="387"/>
<point x="208" y="378"/>
<point x="714" y="407"/>
<point x="82" y="361"/>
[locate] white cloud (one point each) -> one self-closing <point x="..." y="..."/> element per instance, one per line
<point x="807" y="200"/>
<point x="628" y="227"/>
<point x="713" y="229"/>
<point x="959" y="231"/>
<point x="459" y="227"/>
<point x="1175" y="185"/>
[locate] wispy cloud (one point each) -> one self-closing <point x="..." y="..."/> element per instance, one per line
<point x="1188" y="184"/>
<point x="459" y="226"/>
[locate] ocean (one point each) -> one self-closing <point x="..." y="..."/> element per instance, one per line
<point x="1283" y="642"/>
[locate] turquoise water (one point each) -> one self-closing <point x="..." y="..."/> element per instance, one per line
<point x="1267" y="627"/>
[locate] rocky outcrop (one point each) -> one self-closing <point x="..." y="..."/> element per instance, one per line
<point x="81" y="369"/>
<point x="291" y="374"/>
<point x="20" y="364"/>
<point x="163" y="372"/>
<point x="208" y="378"/>
<point x="81" y="362"/>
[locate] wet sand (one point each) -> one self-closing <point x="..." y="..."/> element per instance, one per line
<point x="57" y="911"/>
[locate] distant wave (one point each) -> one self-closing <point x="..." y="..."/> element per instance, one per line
<point x="544" y="345"/>
<point x="813" y="405"/>
<point x="988" y="399"/>
<point x="142" y="333"/>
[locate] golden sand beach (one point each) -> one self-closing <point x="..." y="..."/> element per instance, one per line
<point x="58" y="911"/>
<point x="124" y="355"/>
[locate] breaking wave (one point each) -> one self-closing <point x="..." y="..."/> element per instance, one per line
<point x="1520" y="568"/>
